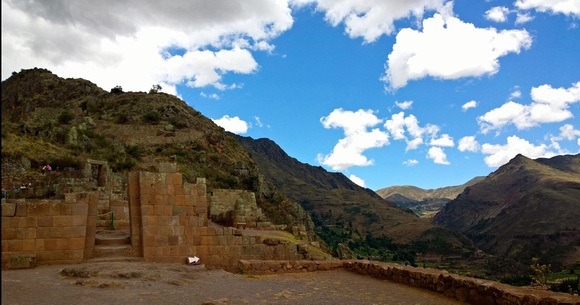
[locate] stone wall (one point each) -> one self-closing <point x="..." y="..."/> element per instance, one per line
<point x="169" y="223"/>
<point x="165" y="215"/>
<point x="465" y="289"/>
<point x="48" y="231"/>
<point x="235" y="208"/>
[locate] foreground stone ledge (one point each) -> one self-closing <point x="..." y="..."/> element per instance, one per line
<point x="465" y="289"/>
<point x="259" y="267"/>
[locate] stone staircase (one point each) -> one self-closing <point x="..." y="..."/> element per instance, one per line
<point x="113" y="246"/>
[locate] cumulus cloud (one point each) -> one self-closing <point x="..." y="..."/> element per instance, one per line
<point x="233" y="124"/>
<point x="566" y="7"/>
<point x="437" y="154"/>
<point x="369" y="19"/>
<point x="468" y="144"/>
<point x="523" y="18"/>
<point x="110" y="43"/>
<point x="549" y="105"/>
<point x="404" y="105"/>
<point x="567" y="132"/>
<point x="358" y="181"/>
<point x="444" y="141"/>
<point x="497" y="13"/>
<point x="411" y="162"/>
<point x="468" y="105"/>
<point x="357" y="138"/>
<point x="407" y="128"/>
<point x="448" y="48"/>
<point x="498" y="155"/>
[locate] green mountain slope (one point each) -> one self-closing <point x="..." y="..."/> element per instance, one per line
<point x="64" y="122"/>
<point x="525" y="208"/>
<point x="343" y="211"/>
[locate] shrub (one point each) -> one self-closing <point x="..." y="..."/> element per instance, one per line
<point x="567" y="285"/>
<point x="65" y="117"/>
<point x="151" y="117"/>
<point x="122" y="118"/>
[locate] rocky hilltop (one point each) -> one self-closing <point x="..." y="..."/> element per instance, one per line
<point x="47" y="119"/>
<point x="525" y="208"/>
<point x="425" y="203"/>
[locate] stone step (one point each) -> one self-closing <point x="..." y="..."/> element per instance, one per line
<point x="113" y="251"/>
<point x="115" y="259"/>
<point x="112" y="238"/>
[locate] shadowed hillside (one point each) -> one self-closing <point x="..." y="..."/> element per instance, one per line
<point x="525" y="208"/>
<point x="425" y="203"/>
<point x="344" y="212"/>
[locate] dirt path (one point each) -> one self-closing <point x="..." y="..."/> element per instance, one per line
<point x="144" y="283"/>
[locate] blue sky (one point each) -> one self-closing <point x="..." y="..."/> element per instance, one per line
<point x="427" y="92"/>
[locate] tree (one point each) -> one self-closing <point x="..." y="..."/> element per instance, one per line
<point x="540" y="272"/>
<point x="155" y="89"/>
<point x="117" y="89"/>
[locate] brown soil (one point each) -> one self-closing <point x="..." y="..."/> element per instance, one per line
<point x="149" y="283"/>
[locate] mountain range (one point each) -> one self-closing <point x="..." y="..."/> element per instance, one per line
<point x="525" y="208"/>
<point x="425" y="203"/>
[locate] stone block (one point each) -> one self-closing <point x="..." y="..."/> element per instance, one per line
<point x="44" y="221"/>
<point x="148" y="209"/>
<point x="80" y="209"/>
<point x="30" y="233"/>
<point x="22" y="261"/>
<point x="78" y="220"/>
<point x="206" y="240"/>
<point x="8" y="209"/>
<point x="62" y="221"/>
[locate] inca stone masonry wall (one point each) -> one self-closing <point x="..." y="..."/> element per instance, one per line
<point x="48" y="231"/>
<point x="235" y="207"/>
<point x="169" y="223"/>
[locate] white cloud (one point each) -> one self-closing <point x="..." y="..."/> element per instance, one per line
<point x="523" y="18"/>
<point x="349" y="150"/>
<point x="411" y="162"/>
<point x="112" y="43"/>
<point x="499" y="155"/>
<point x="437" y="154"/>
<point x="404" y="105"/>
<point x="468" y="105"/>
<point x="414" y="144"/>
<point x="212" y="96"/>
<point x="567" y="132"/>
<point x="360" y="182"/>
<point x="449" y="48"/>
<point x="468" y="144"/>
<point x="516" y="94"/>
<point x="399" y="125"/>
<point x="258" y="122"/>
<point x="549" y="105"/>
<point x="444" y="141"/>
<point x="234" y="125"/>
<point x="566" y="7"/>
<point x="369" y="19"/>
<point x="497" y="13"/>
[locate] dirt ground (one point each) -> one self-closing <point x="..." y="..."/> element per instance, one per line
<point x="149" y="283"/>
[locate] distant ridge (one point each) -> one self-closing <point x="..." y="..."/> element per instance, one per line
<point x="424" y="202"/>
<point x="526" y="207"/>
